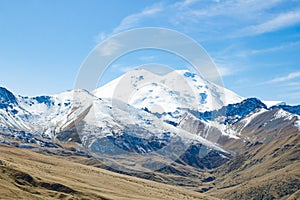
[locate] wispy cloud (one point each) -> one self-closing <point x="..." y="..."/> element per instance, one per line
<point x="236" y="18"/>
<point x="282" y="20"/>
<point x="294" y="84"/>
<point x="226" y="68"/>
<point x="284" y="46"/>
<point x="226" y="64"/>
<point x="217" y="20"/>
<point x="109" y="48"/>
<point x="225" y="71"/>
<point x="290" y="76"/>
<point x="237" y="8"/>
<point x="100" y="37"/>
<point x="185" y="3"/>
<point x="133" y="20"/>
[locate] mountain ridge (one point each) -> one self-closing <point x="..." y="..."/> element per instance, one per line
<point x="122" y="136"/>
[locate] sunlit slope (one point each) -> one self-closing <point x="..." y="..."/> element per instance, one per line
<point x="25" y="174"/>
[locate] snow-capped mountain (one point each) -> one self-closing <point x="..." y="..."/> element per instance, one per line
<point x="166" y="93"/>
<point x="241" y="120"/>
<point x="45" y="114"/>
<point x="78" y="116"/>
<point x="148" y="114"/>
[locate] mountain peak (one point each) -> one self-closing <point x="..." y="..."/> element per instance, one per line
<point x="6" y="96"/>
<point x="167" y="91"/>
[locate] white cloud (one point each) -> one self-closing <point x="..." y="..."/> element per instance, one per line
<point x="215" y="20"/>
<point x="236" y="18"/>
<point x="133" y="20"/>
<point x="185" y="3"/>
<point x="225" y="71"/>
<point x="290" y="76"/>
<point x="100" y="37"/>
<point x="294" y="84"/>
<point x="284" y="46"/>
<point x="283" y="20"/>
<point x="109" y="48"/>
<point x="276" y="48"/>
<point x="238" y="9"/>
<point x="226" y="65"/>
<point x="116" y="66"/>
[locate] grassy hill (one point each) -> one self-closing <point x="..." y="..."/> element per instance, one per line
<point x="264" y="171"/>
<point x="25" y="174"/>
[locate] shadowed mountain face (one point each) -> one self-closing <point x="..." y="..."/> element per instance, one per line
<point x="178" y="145"/>
<point x="6" y="97"/>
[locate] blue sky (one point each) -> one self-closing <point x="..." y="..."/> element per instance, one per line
<point x="255" y="44"/>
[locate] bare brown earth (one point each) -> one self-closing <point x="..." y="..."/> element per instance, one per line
<point x="25" y="174"/>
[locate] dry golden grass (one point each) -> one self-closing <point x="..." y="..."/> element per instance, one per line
<point x="25" y="174"/>
<point x="268" y="171"/>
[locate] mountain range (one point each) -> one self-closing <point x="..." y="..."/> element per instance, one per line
<point x="176" y="128"/>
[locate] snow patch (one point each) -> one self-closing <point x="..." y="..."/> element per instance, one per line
<point x="281" y="114"/>
<point x="297" y="124"/>
<point x="179" y="88"/>
<point x="249" y="118"/>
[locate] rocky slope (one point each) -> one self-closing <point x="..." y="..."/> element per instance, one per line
<point x="178" y="129"/>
